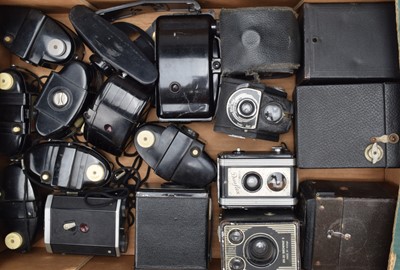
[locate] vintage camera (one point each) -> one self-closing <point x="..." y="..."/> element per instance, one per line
<point x="187" y="53"/>
<point x="64" y="97"/>
<point x="64" y="165"/>
<point x="259" y="239"/>
<point x="175" y="154"/>
<point x="37" y="38"/>
<point x="116" y="113"/>
<point x="85" y="225"/>
<point x="172" y="222"/>
<point x="252" y="110"/>
<point x="21" y="209"/>
<point x="257" y="179"/>
<point x="16" y="125"/>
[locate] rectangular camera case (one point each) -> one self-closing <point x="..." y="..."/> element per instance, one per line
<point x="349" y="42"/>
<point x="347" y="126"/>
<point x="346" y="225"/>
<point x="172" y="228"/>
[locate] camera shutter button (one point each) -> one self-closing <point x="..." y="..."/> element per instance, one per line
<point x="146" y="138"/>
<point x="14" y="240"/>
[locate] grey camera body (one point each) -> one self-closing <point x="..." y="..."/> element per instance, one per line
<point x="257" y="179"/>
<point x="259" y="239"/>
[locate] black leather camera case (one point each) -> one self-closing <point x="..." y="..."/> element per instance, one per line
<point x="346" y="225"/>
<point x="172" y="229"/>
<point x="336" y="125"/>
<point x="349" y="42"/>
<point x="260" y="41"/>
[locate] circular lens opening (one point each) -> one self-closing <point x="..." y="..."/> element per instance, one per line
<point x="236" y="264"/>
<point x="261" y="251"/>
<point x="252" y="182"/>
<point x="273" y="112"/>
<point x="276" y="181"/>
<point x="235" y="236"/>
<point x="246" y="108"/>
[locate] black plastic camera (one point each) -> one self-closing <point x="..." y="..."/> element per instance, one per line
<point x="118" y="109"/>
<point x="64" y="97"/>
<point x="16" y="124"/>
<point x="257" y="179"/>
<point x="175" y="154"/>
<point x="37" y="38"/>
<point x="187" y="53"/>
<point x="85" y="225"/>
<point x="259" y="239"/>
<point x="252" y="110"/>
<point x="64" y="165"/>
<point x="21" y="210"/>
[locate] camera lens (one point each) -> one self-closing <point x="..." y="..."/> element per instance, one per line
<point x="247" y="108"/>
<point x="236" y="264"/>
<point x="276" y="181"/>
<point x="252" y="182"/>
<point x="273" y="112"/>
<point x="235" y="236"/>
<point x="261" y="251"/>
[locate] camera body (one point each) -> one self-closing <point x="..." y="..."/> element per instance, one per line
<point x="87" y="226"/>
<point x="172" y="222"/>
<point x="117" y="111"/>
<point x="252" y="110"/>
<point x="259" y="239"/>
<point x="64" y="97"/>
<point x="187" y="53"/>
<point x="257" y="179"/>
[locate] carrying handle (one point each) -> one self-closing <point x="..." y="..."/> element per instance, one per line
<point x="140" y="7"/>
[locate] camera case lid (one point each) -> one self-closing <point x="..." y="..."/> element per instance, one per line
<point x="122" y="54"/>
<point x="63" y="98"/>
<point x="37" y="38"/>
<point x="64" y="165"/>
<point x="175" y="154"/>
<point x="15" y="110"/>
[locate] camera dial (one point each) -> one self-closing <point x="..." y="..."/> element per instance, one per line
<point x="273" y="112"/>
<point x="276" y="181"/>
<point x="261" y="251"/>
<point x="252" y="181"/>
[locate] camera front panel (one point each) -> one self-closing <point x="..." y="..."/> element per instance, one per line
<point x="252" y="182"/>
<point x="251" y="246"/>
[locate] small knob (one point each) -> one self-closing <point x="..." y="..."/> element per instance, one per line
<point x="95" y="173"/>
<point x="146" y="139"/>
<point x="14" y="240"/>
<point x="6" y="81"/>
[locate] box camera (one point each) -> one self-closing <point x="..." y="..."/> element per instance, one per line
<point x="87" y="226"/>
<point x="256" y="179"/>
<point x="254" y="239"/>
<point x="252" y="110"/>
<point x="172" y="222"/>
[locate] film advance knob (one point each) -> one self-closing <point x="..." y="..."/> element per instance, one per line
<point x="6" y="81"/>
<point x="95" y="173"/>
<point x="14" y="240"/>
<point x="146" y="139"/>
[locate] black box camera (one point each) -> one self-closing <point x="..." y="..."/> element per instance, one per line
<point x="172" y="228"/>
<point x="87" y="226"/>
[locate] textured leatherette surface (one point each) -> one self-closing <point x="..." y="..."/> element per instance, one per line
<point x="259" y="40"/>
<point x="335" y="123"/>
